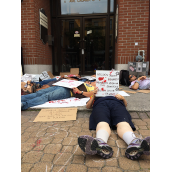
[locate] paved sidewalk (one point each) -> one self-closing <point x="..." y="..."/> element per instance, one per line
<point x="52" y="146"/>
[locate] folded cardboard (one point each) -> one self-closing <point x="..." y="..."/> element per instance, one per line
<point x="129" y="91"/>
<point x="64" y="73"/>
<point x="74" y="71"/>
<point x="50" y="74"/>
<point x="143" y="91"/>
<point x="58" y="114"/>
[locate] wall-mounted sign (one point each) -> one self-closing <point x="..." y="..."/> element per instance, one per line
<point x="76" y="35"/>
<point x="89" y="32"/>
<point x="43" y="21"/>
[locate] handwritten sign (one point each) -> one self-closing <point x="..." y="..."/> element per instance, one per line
<point x="62" y="114"/>
<point x="68" y="83"/>
<point x="70" y="102"/>
<point x="107" y="83"/>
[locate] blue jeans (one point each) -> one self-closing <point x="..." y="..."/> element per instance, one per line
<point x="45" y="81"/>
<point x="45" y="95"/>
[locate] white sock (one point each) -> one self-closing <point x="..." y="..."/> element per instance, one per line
<point x="128" y="137"/>
<point x="102" y="134"/>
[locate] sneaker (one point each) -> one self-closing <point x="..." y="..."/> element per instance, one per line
<point x="136" y="148"/>
<point x="147" y="150"/>
<point x="94" y="146"/>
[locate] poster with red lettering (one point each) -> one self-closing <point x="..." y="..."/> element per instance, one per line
<point x="107" y="82"/>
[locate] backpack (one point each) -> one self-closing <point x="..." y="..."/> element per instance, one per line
<point x="124" y="78"/>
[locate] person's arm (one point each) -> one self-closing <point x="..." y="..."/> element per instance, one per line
<point x="86" y="94"/>
<point x="119" y="97"/>
<point x="136" y="84"/>
<point x="89" y="104"/>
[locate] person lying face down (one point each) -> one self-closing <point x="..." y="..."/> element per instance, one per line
<point x="142" y="83"/>
<point x="110" y="113"/>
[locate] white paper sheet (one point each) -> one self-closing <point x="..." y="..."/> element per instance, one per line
<point x="26" y="77"/>
<point x="70" y="102"/>
<point x="123" y="93"/>
<point x="68" y="83"/>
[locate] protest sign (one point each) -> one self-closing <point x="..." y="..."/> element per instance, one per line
<point x="68" y="83"/>
<point x="70" y="102"/>
<point x="107" y="83"/>
<point x="62" y="114"/>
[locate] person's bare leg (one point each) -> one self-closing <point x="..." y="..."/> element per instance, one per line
<point x="99" y="144"/>
<point x="136" y="147"/>
<point x="103" y="126"/>
<point x="103" y="131"/>
<point x="123" y="127"/>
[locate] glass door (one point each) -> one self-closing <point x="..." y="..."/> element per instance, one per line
<point x="94" y="44"/>
<point x="70" y="47"/>
<point x="81" y="44"/>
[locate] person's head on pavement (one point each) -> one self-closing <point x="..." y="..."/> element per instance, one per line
<point x="132" y="78"/>
<point x="91" y="83"/>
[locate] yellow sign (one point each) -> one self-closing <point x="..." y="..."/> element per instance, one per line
<point x="76" y="35"/>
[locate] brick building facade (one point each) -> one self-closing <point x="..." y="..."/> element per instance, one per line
<point x="36" y="55"/>
<point x="133" y="27"/>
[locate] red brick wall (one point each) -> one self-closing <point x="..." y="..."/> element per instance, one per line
<point x="34" y="51"/>
<point x="132" y="27"/>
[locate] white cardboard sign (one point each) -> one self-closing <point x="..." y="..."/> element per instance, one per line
<point x="70" y="102"/>
<point x="107" y="83"/>
<point x="68" y="83"/>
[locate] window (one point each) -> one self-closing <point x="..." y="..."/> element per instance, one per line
<point x="83" y="7"/>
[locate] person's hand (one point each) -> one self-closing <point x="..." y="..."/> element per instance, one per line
<point x="93" y="76"/>
<point x="76" y="91"/>
<point x="141" y="78"/>
<point x="78" y="76"/>
<point x="119" y="97"/>
<point x="95" y="91"/>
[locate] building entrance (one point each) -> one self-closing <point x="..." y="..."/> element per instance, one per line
<point x="83" y="39"/>
<point x="83" y="44"/>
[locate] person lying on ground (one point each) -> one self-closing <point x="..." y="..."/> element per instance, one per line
<point x="91" y="83"/>
<point x="55" y="93"/>
<point x="32" y="87"/>
<point x="142" y="83"/>
<point x="110" y="113"/>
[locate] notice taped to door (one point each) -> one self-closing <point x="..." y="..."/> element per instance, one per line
<point x="107" y="83"/>
<point x="59" y="114"/>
